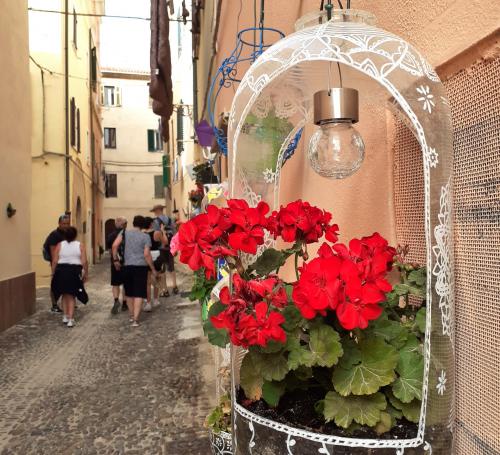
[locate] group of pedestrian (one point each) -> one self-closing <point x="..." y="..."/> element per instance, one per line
<point x="140" y="259"/>
<point x="69" y="267"/>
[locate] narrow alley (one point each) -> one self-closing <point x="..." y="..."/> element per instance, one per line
<point x="104" y="387"/>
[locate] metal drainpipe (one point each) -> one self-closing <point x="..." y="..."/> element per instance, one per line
<point x="195" y="90"/>
<point x="92" y="152"/>
<point x="66" y="103"/>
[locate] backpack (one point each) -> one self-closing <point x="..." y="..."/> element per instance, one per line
<point x="46" y="250"/>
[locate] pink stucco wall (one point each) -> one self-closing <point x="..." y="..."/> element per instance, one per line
<point x="440" y="29"/>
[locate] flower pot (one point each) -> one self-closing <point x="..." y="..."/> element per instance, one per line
<point x="220" y="443"/>
<point x="257" y="435"/>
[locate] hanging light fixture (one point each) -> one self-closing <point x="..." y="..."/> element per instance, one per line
<point x="336" y="150"/>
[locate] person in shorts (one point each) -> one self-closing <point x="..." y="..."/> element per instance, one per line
<point x="117" y="275"/>
<point x="49" y="247"/>
<point x="137" y="262"/>
<point x="167" y="226"/>
<point x="158" y="243"/>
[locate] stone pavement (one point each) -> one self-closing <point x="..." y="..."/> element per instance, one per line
<point x="104" y="387"/>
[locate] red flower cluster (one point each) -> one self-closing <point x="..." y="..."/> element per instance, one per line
<point x="222" y="232"/>
<point x="302" y="221"/>
<point x="350" y="281"/>
<point x="249" y="317"/>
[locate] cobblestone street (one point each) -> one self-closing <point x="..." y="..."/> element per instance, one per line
<point x="104" y="387"/>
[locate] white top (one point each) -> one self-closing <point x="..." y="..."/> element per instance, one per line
<point x="70" y="253"/>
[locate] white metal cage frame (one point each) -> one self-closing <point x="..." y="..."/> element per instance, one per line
<point x="281" y="83"/>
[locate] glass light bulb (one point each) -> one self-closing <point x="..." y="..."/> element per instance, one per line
<point x="336" y="150"/>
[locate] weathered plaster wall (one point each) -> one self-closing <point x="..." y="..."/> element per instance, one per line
<point x="15" y="128"/>
<point x="439" y="29"/>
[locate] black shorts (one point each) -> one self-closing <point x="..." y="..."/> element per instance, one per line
<point x="116" y="276"/>
<point x="135" y="280"/>
<point x="170" y="262"/>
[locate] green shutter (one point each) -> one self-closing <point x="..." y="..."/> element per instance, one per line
<point x="180" y="129"/>
<point x="166" y="170"/>
<point x="151" y="140"/>
<point x="159" y="194"/>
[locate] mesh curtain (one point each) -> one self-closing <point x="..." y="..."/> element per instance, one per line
<point x="474" y="96"/>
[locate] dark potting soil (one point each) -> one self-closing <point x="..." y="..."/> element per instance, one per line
<point x="296" y="409"/>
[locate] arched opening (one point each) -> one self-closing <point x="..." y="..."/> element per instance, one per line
<point x="109" y="227"/>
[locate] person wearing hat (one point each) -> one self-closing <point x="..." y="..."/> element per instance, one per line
<point x="164" y="223"/>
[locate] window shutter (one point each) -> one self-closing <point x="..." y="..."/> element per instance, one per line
<point x="118" y="96"/>
<point x="102" y="95"/>
<point x="72" y="125"/>
<point x="151" y="140"/>
<point x="93" y="68"/>
<point x="166" y="170"/>
<point x="180" y="129"/>
<point x="158" y="180"/>
<point x="78" y="135"/>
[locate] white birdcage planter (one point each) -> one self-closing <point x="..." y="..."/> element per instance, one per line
<point x="282" y="83"/>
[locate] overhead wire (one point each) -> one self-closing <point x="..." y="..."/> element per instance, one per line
<point x="112" y="16"/>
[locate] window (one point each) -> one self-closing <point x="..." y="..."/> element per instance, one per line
<point x="93" y="68"/>
<point x="150" y="100"/>
<point x="110" y="138"/>
<point x="75" y="29"/>
<point x="154" y="141"/>
<point x="180" y="129"/>
<point x="111" y="96"/>
<point x="176" y="169"/>
<point x="72" y="122"/>
<point x="111" y="185"/>
<point x="159" y="194"/>
<point x="78" y="131"/>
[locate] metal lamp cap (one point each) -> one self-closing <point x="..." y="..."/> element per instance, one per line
<point x="336" y="105"/>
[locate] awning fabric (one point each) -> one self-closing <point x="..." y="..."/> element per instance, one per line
<point x="160" y="88"/>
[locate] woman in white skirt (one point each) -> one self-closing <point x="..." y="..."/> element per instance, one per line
<point x="69" y="271"/>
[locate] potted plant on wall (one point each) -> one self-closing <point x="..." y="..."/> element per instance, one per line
<point x="338" y="349"/>
<point x="218" y="423"/>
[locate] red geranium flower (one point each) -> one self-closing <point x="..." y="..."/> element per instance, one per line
<point x="248" y="224"/>
<point x="318" y="287"/>
<point x="248" y="319"/>
<point x="302" y="221"/>
<point x="360" y="303"/>
<point x="193" y="249"/>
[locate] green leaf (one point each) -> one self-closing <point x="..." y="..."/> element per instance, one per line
<point x="270" y="260"/>
<point x="401" y="289"/>
<point x="272" y="392"/>
<point x="251" y="379"/>
<point x="365" y="368"/>
<point x="410" y="371"/>
<point x="272" y="367"/>
<point x="272" y="347"/>
<point x="392" y="299"/>
<point x="325" y="346"/>
<point x="391" y="331"/>
<point x="217" y="337"/>
<point x="420" y="319"/>
<point x="410" y="410"/>
<point x="418" y="276"/>
<point x="300" y="356"/>
<point x="385" y="424"/>
<point x="365" y="410"/>
<point x="292" y="318"/>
